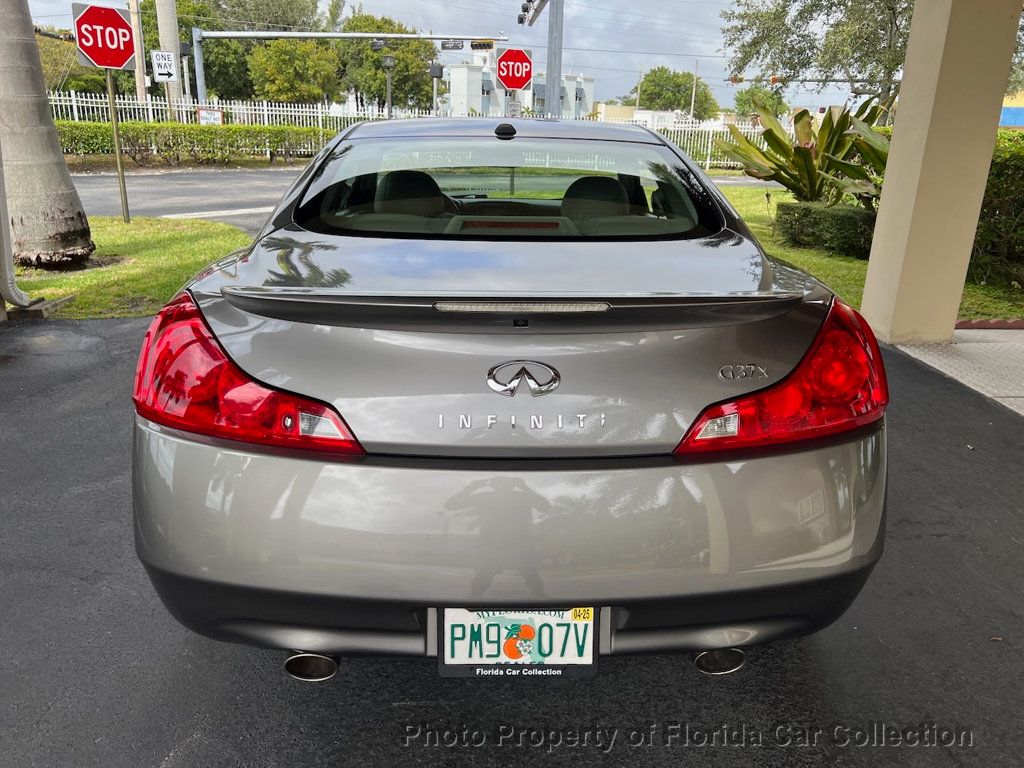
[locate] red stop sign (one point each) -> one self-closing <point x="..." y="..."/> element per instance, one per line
<point x="104" y="36"/>
<point x="515" y="69"/>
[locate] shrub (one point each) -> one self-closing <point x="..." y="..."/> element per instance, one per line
<point x="999" y="242"/>
<point x="844" y="229"/>
<point x="174" y="142"/>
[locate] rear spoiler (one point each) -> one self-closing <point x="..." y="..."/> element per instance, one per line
<point x="497" y="313"/>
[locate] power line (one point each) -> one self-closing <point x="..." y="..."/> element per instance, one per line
<point x="665" y="19"/>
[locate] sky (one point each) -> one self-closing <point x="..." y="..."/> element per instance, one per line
<point x="609" y="39"/>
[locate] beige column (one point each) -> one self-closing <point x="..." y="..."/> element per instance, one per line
<point x="958" y="63"/>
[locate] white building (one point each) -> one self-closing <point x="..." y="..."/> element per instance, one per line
<point x="474" y="90"/>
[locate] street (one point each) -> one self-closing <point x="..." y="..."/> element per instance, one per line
<point x="94" y="672"/>
<point x="240" y="197"/>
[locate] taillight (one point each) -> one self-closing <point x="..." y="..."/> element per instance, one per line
<point x="839" y="385"/>
<point x="185" y="380"/>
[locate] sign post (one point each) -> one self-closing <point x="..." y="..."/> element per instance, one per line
<point x="165" y="70"/>
<point x="514" y="73"/>
<point x="105" y="38"/>
<point x="118" y="160"/>
<point x="165" y="67"/>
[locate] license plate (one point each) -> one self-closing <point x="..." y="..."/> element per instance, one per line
<point x="513" y="643"/>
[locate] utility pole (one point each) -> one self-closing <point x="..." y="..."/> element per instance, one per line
<point x="693" y="93"/>
<point x="167" y="24"/>
<point x="197" y="62"/>
<point x="140" y="54"/>
<point x="436" y="73"/>
<point x="553" y="77"/>
<point x="388" y="62"/>
<point x="185" y="78"/>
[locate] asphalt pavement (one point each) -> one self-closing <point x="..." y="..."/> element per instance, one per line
<point x="243" y="197"/>
<point x="93" y="671"/>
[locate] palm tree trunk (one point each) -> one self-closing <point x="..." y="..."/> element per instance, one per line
<point x="48" y="224"/>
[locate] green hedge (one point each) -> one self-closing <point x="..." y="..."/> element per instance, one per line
<point x="999" y="241"/>
<point x="174" y="142"/>
<point x="844" y="229"/>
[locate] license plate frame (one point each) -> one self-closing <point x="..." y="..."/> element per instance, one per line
<point x="518" y="669"/>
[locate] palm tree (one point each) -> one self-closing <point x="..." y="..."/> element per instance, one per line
<point x="48" y="224"/>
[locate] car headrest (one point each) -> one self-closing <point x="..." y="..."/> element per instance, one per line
<point x="668" y="202"/>
<point x="593" y="196"/>
<point x="413" y="193"/>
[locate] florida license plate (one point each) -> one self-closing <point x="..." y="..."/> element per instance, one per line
<point x="513" y="643"/>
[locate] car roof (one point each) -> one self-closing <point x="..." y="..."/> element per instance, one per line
<point x="530" y="128"/>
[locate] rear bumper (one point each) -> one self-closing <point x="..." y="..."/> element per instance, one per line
<point x="338" y="625"/>
<point x="293" y="552"/>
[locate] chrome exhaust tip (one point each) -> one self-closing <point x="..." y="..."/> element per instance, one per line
<point x="721" y="661"/>
<point x="311" y="667"/>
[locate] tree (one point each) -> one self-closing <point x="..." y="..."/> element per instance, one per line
<point x="1016" y="83"/>
<point x="48" y="223"/>
<point x="270" y="14"/>
<point x="748" y="99"/>
<point x="294" y="70"/>
<point x="361" y="66"/>
<point x="225" y="64"/>
<point x="862" y="42"/>
<point x="664" y="89"/>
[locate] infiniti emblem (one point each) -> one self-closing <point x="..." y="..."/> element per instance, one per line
<point x="505" y="378"/>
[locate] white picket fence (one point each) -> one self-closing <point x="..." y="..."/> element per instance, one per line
<point x="71" y="105"/>
<point x="696" y="140"/>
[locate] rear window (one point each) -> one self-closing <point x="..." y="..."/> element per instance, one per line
<point x="486" y="188"/>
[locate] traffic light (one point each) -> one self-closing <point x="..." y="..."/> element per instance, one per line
<point x="775" y="80"/>
<point x="482" y="45"/>
<point x="736" y="79"/>
<point x="526" y="9"/>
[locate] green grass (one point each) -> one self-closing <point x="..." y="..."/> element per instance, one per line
<point x="137" y="266"/>
<point x="845" y="275"/>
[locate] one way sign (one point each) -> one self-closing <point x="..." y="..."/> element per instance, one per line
<point x="165" y="67"/>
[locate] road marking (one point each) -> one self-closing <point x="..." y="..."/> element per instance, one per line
<point x="217" y="214"/>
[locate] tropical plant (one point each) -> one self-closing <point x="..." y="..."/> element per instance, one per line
<point x="863" y="180"/>
<point x="809" y="162"/>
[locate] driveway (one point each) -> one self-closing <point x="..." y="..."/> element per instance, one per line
<point x="93" y="672"/>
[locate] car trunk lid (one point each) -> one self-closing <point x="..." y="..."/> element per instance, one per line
<point x="513" y="350"/>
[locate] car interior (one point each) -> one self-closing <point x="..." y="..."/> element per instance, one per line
<point x="413" y="201"/>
